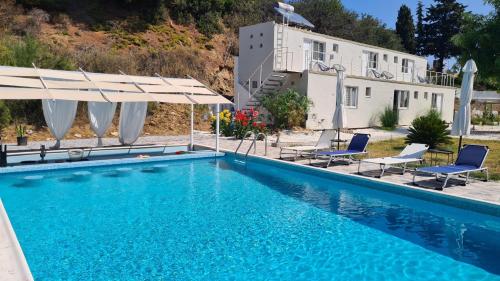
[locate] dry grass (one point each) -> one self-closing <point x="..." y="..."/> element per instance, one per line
<point x="394" y="146"/>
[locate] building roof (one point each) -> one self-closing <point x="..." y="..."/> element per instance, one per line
<point x="32" y="83"/>
<point x="486" y="96"/>
<point x="354" y="42"/>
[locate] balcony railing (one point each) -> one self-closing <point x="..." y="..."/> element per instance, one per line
<point x="391" y="72"/>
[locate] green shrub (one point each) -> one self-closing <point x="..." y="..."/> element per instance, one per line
<point x="4" y="116"/>
<point x="389" y="118"/>
<point x="429" y="129"/>
<point x="288" y="109"/>
<point x="23" y="52"/>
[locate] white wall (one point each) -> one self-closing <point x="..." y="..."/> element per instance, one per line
<point x="349" y="54"/>
<point x="251" y="52"/>
<point x="321" y="90"/>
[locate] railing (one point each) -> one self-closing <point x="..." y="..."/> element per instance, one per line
<point x="253" y="144"/>
<point x="355" y="67"/>
<point x="257" y="75"/>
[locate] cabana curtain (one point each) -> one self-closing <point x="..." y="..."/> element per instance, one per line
<point x="100" y="117"/>
<point x="132" y="117"/>
<point x="59" y="116"/>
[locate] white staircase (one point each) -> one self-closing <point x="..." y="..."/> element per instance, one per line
<point x="272" y="84"/>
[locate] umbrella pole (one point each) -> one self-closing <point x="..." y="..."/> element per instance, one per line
<point x="459" y="144"/>
<point x="338" y="139"/>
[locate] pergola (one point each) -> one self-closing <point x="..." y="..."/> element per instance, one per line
<point x="21" y="83"/>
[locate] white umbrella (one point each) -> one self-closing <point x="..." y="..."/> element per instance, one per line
<point x="462" y="121"/>
<point x="339" y="117"/>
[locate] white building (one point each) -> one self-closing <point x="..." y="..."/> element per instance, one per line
<point x="275" y="56"/>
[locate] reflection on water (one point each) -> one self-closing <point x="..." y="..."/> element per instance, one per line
<point x="409" y="219"/>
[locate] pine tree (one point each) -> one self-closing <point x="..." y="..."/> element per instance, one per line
<point x="405" y="28"/>
<point x="443" y="21"/>
<point x="420" y="35"/>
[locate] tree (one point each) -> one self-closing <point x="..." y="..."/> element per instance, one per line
<point x="332" y="18"/>
<point x="405" y="28"/>
<point x="420" y="35"/>
<point x="443" y="21"/>
<point x="479" y="40"/>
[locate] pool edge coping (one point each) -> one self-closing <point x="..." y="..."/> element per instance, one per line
<point x="106" y="162"/>
<point x="21" y="261"/>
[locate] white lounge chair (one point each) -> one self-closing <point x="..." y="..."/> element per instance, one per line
<point x="324" y="142"/>
<point x="412" y="153"/>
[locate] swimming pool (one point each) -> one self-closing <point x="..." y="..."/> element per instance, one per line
<point x="214" y="219"/>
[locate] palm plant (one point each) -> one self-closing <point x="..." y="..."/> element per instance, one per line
<point x="429" y="129"/>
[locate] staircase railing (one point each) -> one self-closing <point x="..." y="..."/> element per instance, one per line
<point x="257" y="73"/>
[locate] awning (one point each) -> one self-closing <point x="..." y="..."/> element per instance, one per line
<point x="22" y="83"/>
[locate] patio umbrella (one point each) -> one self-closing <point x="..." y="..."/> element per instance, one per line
<point x="462" y="121"/>
<point x="339" y="117"/>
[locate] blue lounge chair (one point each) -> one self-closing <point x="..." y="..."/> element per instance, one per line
<point x="470" y="159"/>
<point x="357" y="146"/>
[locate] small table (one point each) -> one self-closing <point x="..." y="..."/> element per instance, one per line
<point x="434" y="152"/>
<point x="338" y="142"/>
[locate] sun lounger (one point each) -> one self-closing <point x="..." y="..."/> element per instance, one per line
<point x="375" y="73"/>
<point x="412" y="153"/>
<point x="324" y="142"/>
<point x="357" y="146"/>
<point x="470" y="159"/>
<point x="387" y="75"/>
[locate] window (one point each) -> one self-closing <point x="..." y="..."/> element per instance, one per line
<point x="372" y="60"/>
<point x="385" y="57"/>
<point x="261" y="34"/>
<point x="261" y="45"/>
<point x="351" y="97"/>
<point x="254" y="84"/>
<point x="415" y="95"/>
<point x="404" y="99"/>
<point x="318" y="51"/>
<point x="404" y="65"/>
<point x="251" y="47"/>
<point x="251" y="36"/>
<point x="395" y="59"/>
<point x="437" y="102"/>
<point x="368" y="92"/>
<point x="426" y="95"/>
<point x="335" y="48"/>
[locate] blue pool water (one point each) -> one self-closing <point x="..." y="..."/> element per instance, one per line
<point x="216" y="220"/>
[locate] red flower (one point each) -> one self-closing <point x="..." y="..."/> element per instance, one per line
<point x="254" y="124"/>
<point x="245" y="123"/>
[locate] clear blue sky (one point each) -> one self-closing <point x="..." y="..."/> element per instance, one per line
<point x="387" y="11"/>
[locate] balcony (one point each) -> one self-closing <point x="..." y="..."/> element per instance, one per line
<point x="390" y="72"/>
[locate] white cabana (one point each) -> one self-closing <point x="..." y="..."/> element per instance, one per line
<point x="462" y="121"/>
<point x="21" y="83"/>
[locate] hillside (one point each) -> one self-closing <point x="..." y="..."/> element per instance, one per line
<point x="171" y="37"/>
<point x="167" y="48"/>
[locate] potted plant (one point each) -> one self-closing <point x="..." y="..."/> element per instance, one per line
<point x="22" y="139"/>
